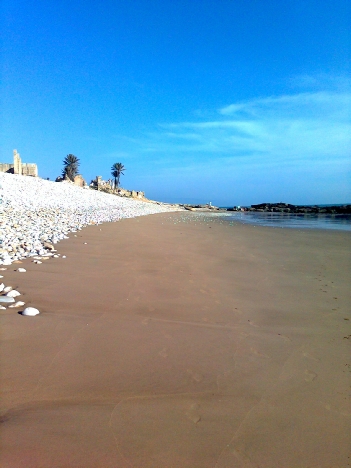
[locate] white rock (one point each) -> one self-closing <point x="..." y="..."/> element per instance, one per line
<point x="13" y="293"/>
<point x="7" y="289"/>
<point x="1" y="276"/>
<point x="2" y="307"/>
<point x="38" y="262"/>
<point x="2" y="286"/>
<point x="64" y="256"/>
<point x="17" y="304"/>
<point x="30" y="311"/>
<point x="5" y="299"/>
<point x="35" y="211"/>
<point x="21" y="270"/>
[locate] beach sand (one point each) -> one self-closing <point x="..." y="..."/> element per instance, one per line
<point x="177" y="341"/>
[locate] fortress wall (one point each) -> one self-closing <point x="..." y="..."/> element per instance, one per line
<point x="27" y="169"/>
<point x="5" y="167"/>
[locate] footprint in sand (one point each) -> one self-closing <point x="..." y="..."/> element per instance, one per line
<point x="193" y="413"/>
<point x="310" y="376"/>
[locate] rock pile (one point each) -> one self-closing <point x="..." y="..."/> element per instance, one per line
<point x="35" y="214"/>
<point x="295" y="209"/>
<point x="304" y="209"/>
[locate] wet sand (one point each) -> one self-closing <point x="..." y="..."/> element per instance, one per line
<point x="169" y="341"/>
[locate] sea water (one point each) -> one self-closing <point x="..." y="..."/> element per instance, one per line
<point x="292" y="220"/>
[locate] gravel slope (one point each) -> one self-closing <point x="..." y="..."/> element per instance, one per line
<point x="34" y="211"/>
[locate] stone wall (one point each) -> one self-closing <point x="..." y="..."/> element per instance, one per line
<point x="6" y="167"/>
<point x="30" y="169"/>
<point x="27" y="169"/>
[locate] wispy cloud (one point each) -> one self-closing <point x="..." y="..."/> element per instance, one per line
<point x="290" y="140"/>
<point x="300" y="127"/>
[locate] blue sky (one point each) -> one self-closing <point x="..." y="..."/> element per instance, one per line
<point x="233" y="102"/>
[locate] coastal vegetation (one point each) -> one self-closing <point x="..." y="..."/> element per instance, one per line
<point x="70" y="167"/>
<point x="116" y="172"/>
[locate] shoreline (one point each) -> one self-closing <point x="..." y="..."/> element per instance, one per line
<point x="180" y="341"/>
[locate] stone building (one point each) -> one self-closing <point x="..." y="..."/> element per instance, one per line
<point x="18" y="167"/>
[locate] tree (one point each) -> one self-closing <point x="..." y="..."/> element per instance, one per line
<point x="116" y="171"/>
<point x="70" y="166"/>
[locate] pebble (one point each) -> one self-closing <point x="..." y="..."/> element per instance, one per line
<point x="17" y="304"/>
<point x="13" y="293"/>
<point x="5" y="299"/>
<point x="30" y="311"/>
<point x="37" y="213"/>
<point x="2" y="307"/>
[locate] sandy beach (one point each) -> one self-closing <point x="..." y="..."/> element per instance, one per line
<point x="180" y="341"/>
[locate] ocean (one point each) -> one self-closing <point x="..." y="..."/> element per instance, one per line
<point x="291" y="220"/>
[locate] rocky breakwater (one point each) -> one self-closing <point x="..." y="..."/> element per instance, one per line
<point x="298" y="209"/>
<point x="203" y="208"/>
<point x="35" y="214"/>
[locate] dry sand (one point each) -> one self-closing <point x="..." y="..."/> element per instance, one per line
<point x="165" y="343"/>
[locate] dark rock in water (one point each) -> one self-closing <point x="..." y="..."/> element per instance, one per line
<point x="296" y="209"/>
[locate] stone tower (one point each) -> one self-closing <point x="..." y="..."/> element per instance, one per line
<point x="17" y="163"/>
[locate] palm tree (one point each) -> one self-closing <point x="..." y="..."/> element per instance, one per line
<point x="70" y="168"/>
<point x="116" y="171"/>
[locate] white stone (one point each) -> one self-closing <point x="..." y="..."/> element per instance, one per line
<point x="35" y="211"/>
<point x="7" y="289"/>
<point x="5" y="299"/>
<point x="17" y="304"/>
<point x="2" y="286"/>
<point x="2" y="307"/>
<point x="30" y="311"/>
<point x="13" y="293"/>
<point x="21" y="270"/>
